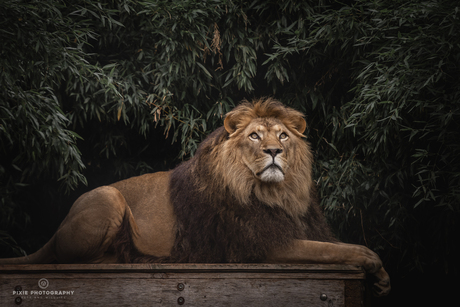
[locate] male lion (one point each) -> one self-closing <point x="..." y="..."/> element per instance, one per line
<point x="246" y="196"/>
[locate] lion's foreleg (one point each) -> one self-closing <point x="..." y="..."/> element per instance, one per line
<point x="305" y="251"/>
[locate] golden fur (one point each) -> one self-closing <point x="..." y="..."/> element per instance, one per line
<point x="229" y="157"/>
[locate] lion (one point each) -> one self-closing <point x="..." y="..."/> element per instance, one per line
<point x="246" y="196"/>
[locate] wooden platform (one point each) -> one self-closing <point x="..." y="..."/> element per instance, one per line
<point x="181" y="284"/>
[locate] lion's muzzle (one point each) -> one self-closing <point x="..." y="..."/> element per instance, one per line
<point x="271" y="173"/>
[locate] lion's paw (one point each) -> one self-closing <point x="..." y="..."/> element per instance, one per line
<point x="382" y="286"/>
<point x="372" y="264"/>
<point x="365" y="257"/>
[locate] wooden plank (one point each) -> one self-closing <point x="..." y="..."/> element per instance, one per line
<point x="354" y="293"/>
<point x="188" y="267"/>
<point x="189" y="284"/>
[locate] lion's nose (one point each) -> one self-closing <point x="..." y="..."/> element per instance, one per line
<point x="273" y="152"/>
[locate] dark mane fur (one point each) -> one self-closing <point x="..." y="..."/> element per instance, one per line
<point x="221" y="229"/>
<point x="213" y="226"/>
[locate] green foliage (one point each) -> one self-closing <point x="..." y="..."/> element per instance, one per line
<point x="378" y="81"/>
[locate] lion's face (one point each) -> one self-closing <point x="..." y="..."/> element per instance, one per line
<point x="267" y="137"/>
<point x="260" y="153"/>
<point x="265" y="145"/>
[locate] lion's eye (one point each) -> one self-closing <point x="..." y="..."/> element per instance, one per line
<point x="254" y="136"/>
<point x="283" y="136"/>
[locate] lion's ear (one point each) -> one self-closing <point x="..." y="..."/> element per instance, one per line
<point x="230" y="123"/>
<point x="300" y="125"/>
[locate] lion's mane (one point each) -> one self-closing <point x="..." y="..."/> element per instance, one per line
<point x="224" y="214"/>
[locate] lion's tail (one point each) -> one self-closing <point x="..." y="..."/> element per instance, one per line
<point x="123" y="244"/>
<point x="43" y="255"/>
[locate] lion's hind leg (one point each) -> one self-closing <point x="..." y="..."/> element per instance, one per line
<point x="87" y="233"/>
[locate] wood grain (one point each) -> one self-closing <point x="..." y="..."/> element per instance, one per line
<point x="189" y="284"/>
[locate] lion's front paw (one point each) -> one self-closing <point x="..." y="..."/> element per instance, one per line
<point x="382" y="286"/>
<point x="364" y="257"/>
<point x="372" y="264"/>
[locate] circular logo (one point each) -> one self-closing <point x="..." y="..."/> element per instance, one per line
<point x="43" y="283"/>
